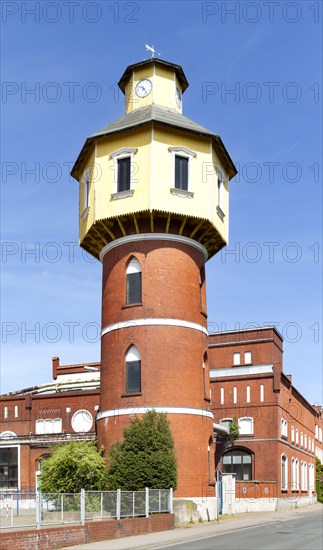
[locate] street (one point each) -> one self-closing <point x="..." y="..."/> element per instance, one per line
<point x="305" y="533"/>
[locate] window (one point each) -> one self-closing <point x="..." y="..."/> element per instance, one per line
<point x="302" y="440"/>
<point x="293" y="434"/>
<point x="236" y="358"/>
<point x="305" y="441"/>
<point x="304" y="481"/>
<point x="133" y="371"/>
<point x="235" y="394"/>
<point x="295" y="474"/>
<point x="284" y="428"/>
<point x="209" y="447"/>
<point x="202" y="289"/>
<point x="222" y="396"/>
<point x="124" y="170"/>
<point x="296" y="437"/>
<point x="133" y="282"/>
<point x="238" y="462"/>
<point x="262" y="393"/>
<point x="82" y="421"/>
<point x="205" y="372"/>
<point x="248" y="394"/>
<point x="182" y="169"/>
<point x="8" y="467"/>
<point x="221" y="179"/>
<point x="5" y="412"/>
<point x="49" y="426"/>
<point x="284" y="473"/>
<point x="316" y="431"/>
<point x="225" y="422"/>
<point x="86" y="189"/>
<point x="124" y="167"/>
<point x="245" y="426"/>
<point x="320" y="435"/>
<point x="181" y="172"/>
<point x="247" y="358"/>
<point x="16" y="411"/>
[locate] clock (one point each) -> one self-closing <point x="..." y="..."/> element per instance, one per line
<point x="178" y="97"/>
<point x="143" y="87"/>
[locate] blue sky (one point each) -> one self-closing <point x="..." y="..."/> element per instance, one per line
<point x="254" y="70"/>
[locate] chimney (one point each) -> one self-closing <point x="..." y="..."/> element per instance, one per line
<point x="55" y="365"/>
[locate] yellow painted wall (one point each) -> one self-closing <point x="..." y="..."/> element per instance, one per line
<point x="153" y="178"/>
<point x="164" y="83"/>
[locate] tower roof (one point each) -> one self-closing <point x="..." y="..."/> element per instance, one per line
<point x="154" y="60"/>
<point x="161" y="115"/>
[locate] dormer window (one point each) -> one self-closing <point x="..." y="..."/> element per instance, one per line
<point x="182" y="171"/>
<point x="124" y="170"/>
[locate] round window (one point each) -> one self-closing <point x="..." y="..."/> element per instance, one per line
<point x="82" y="421"/>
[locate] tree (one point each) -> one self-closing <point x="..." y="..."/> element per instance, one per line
<point x="146" y="456"/>
<point x="319" y="480"/>
<point x="72" y="467"/>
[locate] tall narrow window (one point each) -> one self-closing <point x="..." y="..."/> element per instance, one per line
<point x="284" y="472"/>
<point x="293" y="434"/>
<point x="205" y="374"/>
<point x="235" y="394"/>
<point x="86" y="189"/>
<point x="124" y="166"/>
<point x="222" y="396"/>
<point x="202" y="290"/>
<point x="247" y="357"/>
<point x="248" y="394"/>
<point x="134" y="282"/>
<point x="133" y="371"/>
<point x="262" y="393"/>
<point x="181" y="172"/>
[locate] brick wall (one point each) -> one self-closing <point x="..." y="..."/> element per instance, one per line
<point x="58" y="537"/>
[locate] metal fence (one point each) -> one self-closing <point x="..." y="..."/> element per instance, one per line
<point x="35" y="509"/>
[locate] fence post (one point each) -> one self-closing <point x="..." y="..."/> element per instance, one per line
<point x="82" y="506"/>
<point x="101" y="505"/>
<point x="38" y="509"/>
<point x="147" y="502"/>
<point x="170" y="499"/>
<point x="62" y="508"/>
<point x="118" y="503"/>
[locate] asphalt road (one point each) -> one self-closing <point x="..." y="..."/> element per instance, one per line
<point x="305" y="533"/>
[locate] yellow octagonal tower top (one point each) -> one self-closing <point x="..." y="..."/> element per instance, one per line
<point x="153" y="170"/>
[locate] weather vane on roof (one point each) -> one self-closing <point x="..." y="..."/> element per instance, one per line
<point x="152" y="50"/>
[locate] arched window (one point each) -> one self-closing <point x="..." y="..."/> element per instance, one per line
<point x="238" y="462"/>
<point x="133" y="282"/>
<point x="205" y="375"/>
<point x="202" y="290"/>
<point x="262" y="393"/>
<point x="133" y="371"/>
<point x="284" y="472"/>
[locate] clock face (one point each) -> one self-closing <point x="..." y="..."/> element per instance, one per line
<point x="178" y="97"/>
<point x="143" y="87"/>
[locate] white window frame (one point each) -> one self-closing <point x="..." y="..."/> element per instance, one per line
<point x="302" y="439"/>
<point x="293" y="434"/>
<point x="221" y="179"/>
<point x="247" y="355"/>
<point x="262" y="393"/>
<point x="284" y="428"/>
<point x="86" y="182"/>
<point x="222" y="396"/>
<point x="297" y="437"/>
<point x="235" y="394"/>
<point x="236" y="358"/>
<point x="316" y="431"/>
<point x="123" y="152"/>
<point x="245" y="419"/>
<point x="284" y="486"/>
<point x="182" y="151"/>
<point x="248" y="394"/>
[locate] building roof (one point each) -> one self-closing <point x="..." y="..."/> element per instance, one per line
<point x="161" y="115"/>
<point x="156" y="61"/>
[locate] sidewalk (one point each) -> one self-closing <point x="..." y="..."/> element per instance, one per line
<point x="201" y="530"/>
